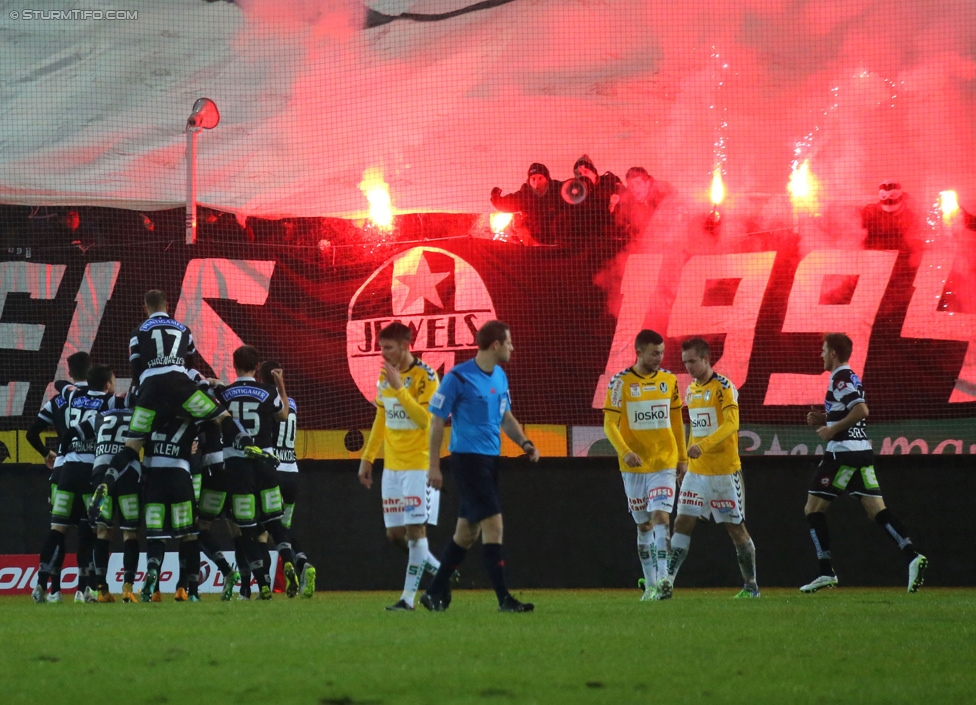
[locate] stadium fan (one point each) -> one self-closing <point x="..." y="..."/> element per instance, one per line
<point x="538" y="202"/>
<point x="588" y="221"/>
<point x="634" y="206"/>
<point x="891" y="223"/>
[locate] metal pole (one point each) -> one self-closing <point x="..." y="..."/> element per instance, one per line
<point x="191" y="185"/>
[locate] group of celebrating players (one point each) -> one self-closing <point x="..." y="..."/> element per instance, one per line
<point x="215" y="451"/>
<point x="209" y="451"/>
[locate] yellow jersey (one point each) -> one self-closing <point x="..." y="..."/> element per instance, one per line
<point x="402" y="420"/>
<point x="647" y="412"/>
<point x="713" y="408"/>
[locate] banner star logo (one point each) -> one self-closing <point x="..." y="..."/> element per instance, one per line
<point x="422" y="284"/>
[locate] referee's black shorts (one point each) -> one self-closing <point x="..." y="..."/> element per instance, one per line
<point x="476" y="477"/>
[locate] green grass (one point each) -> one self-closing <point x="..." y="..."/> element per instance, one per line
<point x="842" y="646"/>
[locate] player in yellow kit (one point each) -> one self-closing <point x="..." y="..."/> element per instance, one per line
<point x="713" y="483"/>
<point x="401" y="426"/>
<point x="642" y="420"/>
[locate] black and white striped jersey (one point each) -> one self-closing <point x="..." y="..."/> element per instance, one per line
<point x="844" y="392"/>
<point x="160" y="345"/>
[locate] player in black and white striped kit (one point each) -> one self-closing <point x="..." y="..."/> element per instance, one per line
<point x="256" y="503"/>
<point x="159" y="352"/>
<point x="122" y="506"/>
<point x="284" y="450"/>
<point x="169" y="509"/>
<point x="79" y="364"/>
<point x="75" y="412"/>
<point x="848" y="466"/>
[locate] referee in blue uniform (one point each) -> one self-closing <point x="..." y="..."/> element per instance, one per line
<point x="475" y="396"/>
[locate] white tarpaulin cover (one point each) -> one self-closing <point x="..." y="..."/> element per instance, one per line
<point x="449" y="98"/>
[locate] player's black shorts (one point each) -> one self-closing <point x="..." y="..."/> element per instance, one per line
<point x="54" y="479"/>
<point x="847" y="471"/>
<point x="169" y="396"/>
<point x="241" y="487"/>
<point x="69" y="500"/>
<point x="476" y="477"/>
<point x="167" y="495"/>
<point x="123" y="506"/>
<point x="288" y="482"/>
<point x="268" y="492"/>
<point x="213" y="492"/>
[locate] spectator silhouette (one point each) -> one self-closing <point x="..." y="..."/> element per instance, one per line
<point x="537" y="204"/>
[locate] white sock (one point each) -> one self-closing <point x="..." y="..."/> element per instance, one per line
<point x="680" y="543"/>
<point x="431" y="564"/>
<point x="746" y="555"/>
<point x="661" y="536"/>
<point x="646" y="556"/>
<point x="416" y="550"/>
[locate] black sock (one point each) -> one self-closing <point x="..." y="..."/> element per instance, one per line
<point x="130" y="559"/>
<point x="101" y="554"/>
<point x="213" y="552"/>
<point x="495" y="565"/>
<point x="897" y="532"/>
<point x="263" y="575"/>
<point x="280" y="536"/>
<point x="181" y="579"/>
<point x="300" y="560"/>
<point x="820" y="535"/>
<point x="58" y="564"/>
<point x="297" y="547"/>
<point x="155" y="550"/>
<point x="243" y="565"/>
<point x="86" y="541"/>
<point x="53" y="546"/>
<point x="240" y="555"/>
<point x="453" y="555"/>
<point x="192" y="551"/>
<point x="254" y="552"/>
<point x="287" y="554"/>
<point x="256" y="564"/>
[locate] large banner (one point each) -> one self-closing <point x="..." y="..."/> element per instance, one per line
<point x="573" y="318"/>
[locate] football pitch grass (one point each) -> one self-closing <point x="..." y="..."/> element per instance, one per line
<point x="592" y="646"/>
